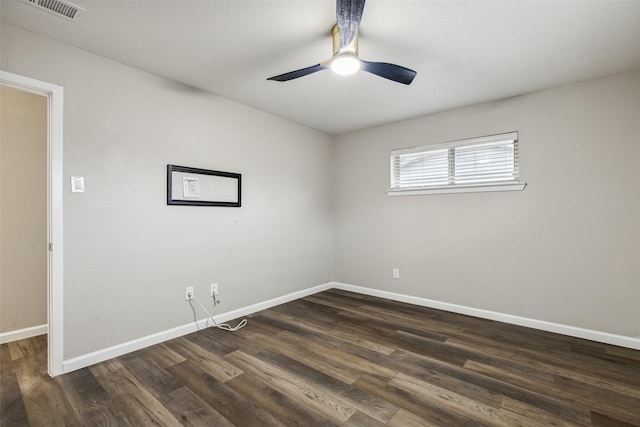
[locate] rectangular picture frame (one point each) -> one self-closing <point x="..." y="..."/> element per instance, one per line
<point x="187" y="186"/>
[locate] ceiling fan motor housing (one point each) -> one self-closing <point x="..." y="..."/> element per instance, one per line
<point x="336" y="42"/>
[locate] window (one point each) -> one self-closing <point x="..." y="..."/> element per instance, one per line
<point x="488" y="163"/>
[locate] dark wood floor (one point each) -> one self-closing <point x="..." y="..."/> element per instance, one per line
<point x="336" y="358"/>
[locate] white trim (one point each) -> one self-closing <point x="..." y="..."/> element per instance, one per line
<point x="573" y="331"/>
<point x="139" y="343"/>
<point x="254" y="308"/>
<point x="21" y="334"/>
<point x="55" y="285"/>
<point x="462" y="188"/>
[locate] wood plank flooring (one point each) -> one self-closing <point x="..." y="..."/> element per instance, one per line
<point x="335" y="358"/>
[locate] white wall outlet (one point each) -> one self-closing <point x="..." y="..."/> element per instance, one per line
<point x="396" y="273"/>
<point x="214" y="289"/>
<point x="188" y="293"/>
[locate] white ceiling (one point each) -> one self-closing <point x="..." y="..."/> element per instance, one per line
<point x="465" y="52"/>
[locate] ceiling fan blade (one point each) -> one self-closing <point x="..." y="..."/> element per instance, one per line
<point x="389" y="71"/>
<point x="298" y="73"/>
<point x="348" y="14"/>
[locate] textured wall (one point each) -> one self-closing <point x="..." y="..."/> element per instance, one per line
<point x="564" y="250"/>
<point x="127" y="255"/>
<point x="23" y="209"/>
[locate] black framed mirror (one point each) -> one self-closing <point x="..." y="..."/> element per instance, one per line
<point x="203" y="187"/>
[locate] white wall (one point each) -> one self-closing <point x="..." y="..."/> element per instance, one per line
<point x="23" y="210"/>
<point x="128" y="256"/>
<point x="564" y="250"/>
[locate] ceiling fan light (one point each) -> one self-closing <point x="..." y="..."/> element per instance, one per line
<point x="345" y="64"/>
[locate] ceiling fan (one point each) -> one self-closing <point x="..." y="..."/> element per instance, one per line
<point x="345" y="58"/>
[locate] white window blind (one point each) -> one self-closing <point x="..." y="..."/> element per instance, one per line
<point x="478" y="163"/>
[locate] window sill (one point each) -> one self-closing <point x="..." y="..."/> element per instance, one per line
<point x="462" y="188"/>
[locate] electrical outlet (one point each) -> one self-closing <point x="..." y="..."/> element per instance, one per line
<point x="396" y="273"/>
<point x="188" y="293"/>
<point x="214" y="289"/>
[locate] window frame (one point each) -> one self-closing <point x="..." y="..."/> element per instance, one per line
<point x="452" y="187"/>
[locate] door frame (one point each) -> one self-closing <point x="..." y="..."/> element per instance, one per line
<point x="55" y="276"/>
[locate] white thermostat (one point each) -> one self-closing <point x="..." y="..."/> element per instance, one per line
<point x="190" y="187"/>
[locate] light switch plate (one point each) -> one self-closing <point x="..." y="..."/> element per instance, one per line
<point x="77" y="184"/>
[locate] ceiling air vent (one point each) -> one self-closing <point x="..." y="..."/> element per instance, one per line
<point x="59" y="7"/>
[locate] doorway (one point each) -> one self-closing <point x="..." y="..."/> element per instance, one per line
<point x="54" y="99"/>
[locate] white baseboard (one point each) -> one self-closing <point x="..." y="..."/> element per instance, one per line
<point x="21" y="334"/>
<point x="140" y="343"/>
<point x="603" y="337"/>
<point x="137" y="344"/>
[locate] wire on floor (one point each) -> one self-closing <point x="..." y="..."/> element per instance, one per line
<point x="223" y="326"/>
